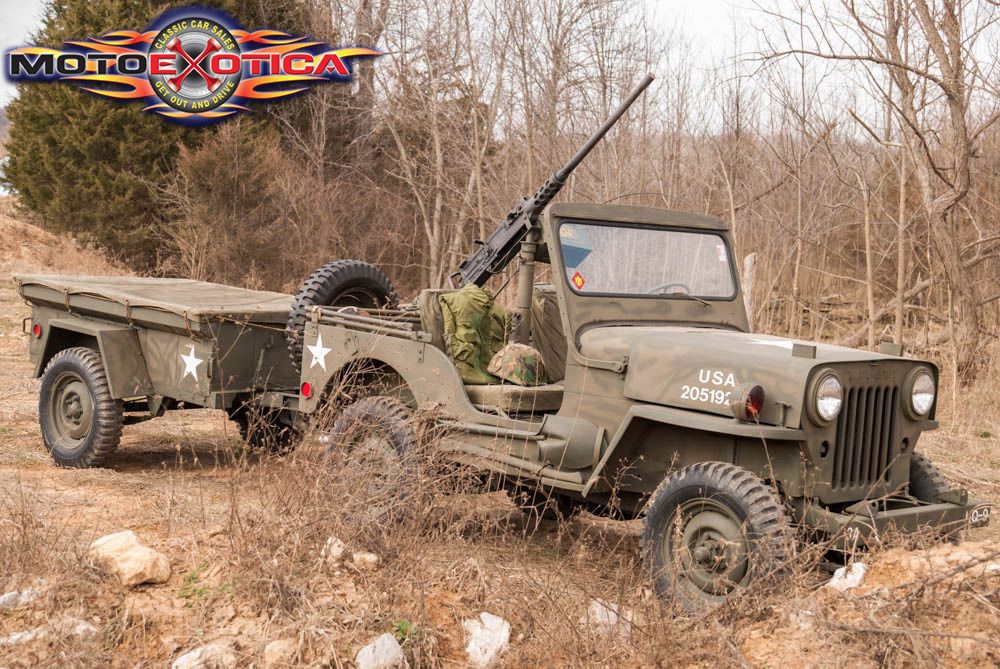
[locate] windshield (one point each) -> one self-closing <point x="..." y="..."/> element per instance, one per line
<point x="627" y="260"/>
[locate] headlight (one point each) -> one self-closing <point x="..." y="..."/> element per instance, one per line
<point x="922" y="393"/>
<point x="829" y="397"/>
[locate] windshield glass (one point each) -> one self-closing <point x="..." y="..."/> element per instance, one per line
<point x="627" y="260"/>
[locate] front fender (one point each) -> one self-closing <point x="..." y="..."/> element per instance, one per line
<point x="692" y="420"/>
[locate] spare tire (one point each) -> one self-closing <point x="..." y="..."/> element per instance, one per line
<point x="340" y="283"/>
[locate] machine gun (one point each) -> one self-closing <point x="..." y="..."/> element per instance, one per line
<point x="493" y="255"/>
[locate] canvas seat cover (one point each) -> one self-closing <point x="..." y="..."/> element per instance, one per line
<point x="475" y="329"/>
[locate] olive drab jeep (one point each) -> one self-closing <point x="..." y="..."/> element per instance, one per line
<point x="628" y="384"/>
<point x="657" y="400"/>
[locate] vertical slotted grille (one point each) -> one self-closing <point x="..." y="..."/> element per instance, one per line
<point x="866" y="430"/>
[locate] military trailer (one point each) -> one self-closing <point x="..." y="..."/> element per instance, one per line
<point x="118" y="350"/>
<point x="628" y="384"/>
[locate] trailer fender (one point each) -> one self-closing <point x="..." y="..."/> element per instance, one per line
<point x="118" y="345"/>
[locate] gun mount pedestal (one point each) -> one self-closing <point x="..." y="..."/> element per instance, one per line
<point x="525" y="279"/>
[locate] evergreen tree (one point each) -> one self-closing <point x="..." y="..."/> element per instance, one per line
<point x="84" y="164"/>
<point x="91" y="166"/>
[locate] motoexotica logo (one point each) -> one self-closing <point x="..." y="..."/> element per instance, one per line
<point x="192" y="65"/>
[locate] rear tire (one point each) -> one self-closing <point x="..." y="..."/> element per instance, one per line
<point x="340" y="283"/>
<point x="709" y="530"/>
<point x="81" y="423"/>
<point x="376" y="438"/>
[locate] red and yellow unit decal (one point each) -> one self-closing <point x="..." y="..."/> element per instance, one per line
<point x="191" y="65"/>
<point x="578" y="280"/>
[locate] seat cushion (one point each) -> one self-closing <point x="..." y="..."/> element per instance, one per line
<point x="517" y="399"/>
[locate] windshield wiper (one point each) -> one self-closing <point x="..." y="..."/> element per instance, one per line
<point x="686" y="296"/>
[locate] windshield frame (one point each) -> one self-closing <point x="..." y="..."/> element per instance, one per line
<point x="645" y="226"/>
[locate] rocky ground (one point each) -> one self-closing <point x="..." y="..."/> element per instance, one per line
<point x="240" y="560"/>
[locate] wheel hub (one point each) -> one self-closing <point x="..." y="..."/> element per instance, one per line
<point x="72" y="408"/>
<point x="708" y="547"/>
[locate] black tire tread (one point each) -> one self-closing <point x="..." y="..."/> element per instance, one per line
<point x="379" y="412"/>
<point x="767" y="518"/>
<point x="108" y="416"/>
<point x="319" y="289"/>
<point x="927" y="482"/>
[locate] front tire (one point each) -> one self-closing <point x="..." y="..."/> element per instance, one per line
<point x="928" y="484"/>
<point x="81" y="423"/>
<point x="709" y="530"/>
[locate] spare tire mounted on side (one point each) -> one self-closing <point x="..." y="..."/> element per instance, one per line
<point x="341" y="283"/>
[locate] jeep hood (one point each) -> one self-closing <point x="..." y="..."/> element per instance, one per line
<point x="696" y="368"/>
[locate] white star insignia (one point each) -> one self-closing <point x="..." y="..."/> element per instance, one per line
<point x="191" y="362"/>
<point x="318" y="352"/>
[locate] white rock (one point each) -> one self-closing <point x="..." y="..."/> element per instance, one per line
<point x="65" y="627"/>
<point x="992" y="568"/>
<point x="333" y="550"/>
<point x="73" y="627"/>
<point x="364" y="559"/>
<point x="848" y="577"/>
<point x="16" y="598"/>
<point x="605" y="618"/>
<point x="126" y="557"/>
<point x="280" y="653"/>
<point x="489" y="636"/>
<point x="210" y="656"/>
<point x="382" y="653"/>
<point x="24" y="637"/>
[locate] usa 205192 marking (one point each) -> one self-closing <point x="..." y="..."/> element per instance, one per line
<point x="701" y="394"/>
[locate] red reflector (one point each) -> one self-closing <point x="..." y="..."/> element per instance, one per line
<point x="755" y="401"/>
<point x="307" y="390"/>
<point x="37" y="330"/>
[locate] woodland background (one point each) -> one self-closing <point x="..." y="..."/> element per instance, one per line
<point x="853" y="145"/>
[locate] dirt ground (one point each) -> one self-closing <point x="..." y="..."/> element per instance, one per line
<point x="244" y="538"/>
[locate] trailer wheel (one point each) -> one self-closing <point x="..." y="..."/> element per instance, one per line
<point x="710" y="529"/>
<point x="262" y="429"/>
<point x="376" y="439"/>
<point x="81" y="423"/>
<point x="340" y="283"/>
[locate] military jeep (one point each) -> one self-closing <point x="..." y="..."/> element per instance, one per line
<point x="657" y="401"/>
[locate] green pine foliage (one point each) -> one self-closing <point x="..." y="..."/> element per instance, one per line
<point x="87" y="165"/>
<point x="94" y="167"/>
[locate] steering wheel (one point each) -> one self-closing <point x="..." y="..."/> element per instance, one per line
<point x="662" y="288"/>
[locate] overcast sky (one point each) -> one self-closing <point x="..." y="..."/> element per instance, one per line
<point x="705" y="23"/>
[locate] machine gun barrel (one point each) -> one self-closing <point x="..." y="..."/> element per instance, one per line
<point x="578" y="157"/>
<point x="500" y="248"/>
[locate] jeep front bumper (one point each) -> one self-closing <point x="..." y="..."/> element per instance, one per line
<point x="864" y="523"/>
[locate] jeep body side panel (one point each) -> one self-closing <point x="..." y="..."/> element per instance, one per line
<point x="426" y="370"/>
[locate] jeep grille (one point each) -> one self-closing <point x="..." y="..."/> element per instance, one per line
<point x="866" y="437"/>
